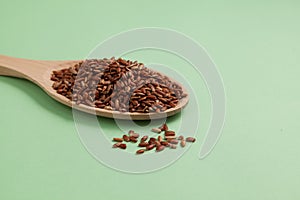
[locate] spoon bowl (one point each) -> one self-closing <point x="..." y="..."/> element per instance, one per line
<point x="39" y="72"/>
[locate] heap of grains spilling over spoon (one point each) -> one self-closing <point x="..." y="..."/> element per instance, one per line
<point x="118" y="85"/>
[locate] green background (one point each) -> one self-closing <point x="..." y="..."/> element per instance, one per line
<point x="256" y="47"/>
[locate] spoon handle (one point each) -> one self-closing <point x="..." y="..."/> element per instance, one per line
<point x="11" y="66"/>
<point x="21" y="68"/>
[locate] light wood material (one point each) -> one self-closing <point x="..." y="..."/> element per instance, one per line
<point x="39" y="72"/>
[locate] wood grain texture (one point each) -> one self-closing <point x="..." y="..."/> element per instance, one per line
<point x="39" y="72"/>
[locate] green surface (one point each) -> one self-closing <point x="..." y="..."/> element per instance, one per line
<point x="256" y="47"/>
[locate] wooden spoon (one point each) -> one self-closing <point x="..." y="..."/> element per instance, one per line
<point x="39" y="72"/>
